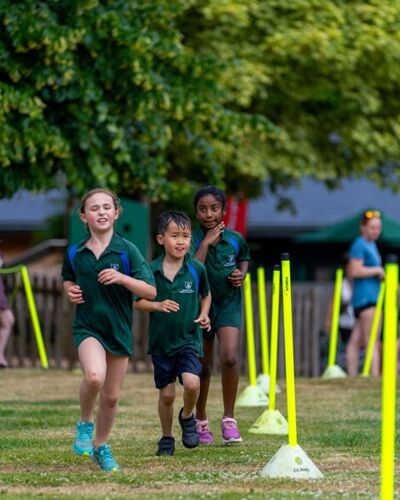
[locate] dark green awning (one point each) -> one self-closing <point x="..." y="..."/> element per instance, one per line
<point x="346" y="230"/>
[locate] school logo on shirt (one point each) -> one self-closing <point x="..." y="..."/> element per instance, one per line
<point x="230" y="262"/>
<point x="188" y="287"/>
<point x="114" y="266"/>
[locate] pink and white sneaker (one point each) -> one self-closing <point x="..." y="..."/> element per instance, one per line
<point x="230" y="431"/>
<point x="205" y="435"/>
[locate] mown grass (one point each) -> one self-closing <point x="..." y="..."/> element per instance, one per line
<point x="338" y="427"/>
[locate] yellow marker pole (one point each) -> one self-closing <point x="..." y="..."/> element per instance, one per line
<point x="290" y="460"/>
<point x="276" y="275"/>
<point x="251" y="354"/>
<point x="374" y="332"/>
<point x="34" y="317"/>
<point x="389" y="370"/>
<point x="335" y="317"/>
<point x="262" y="308"/>
<point x="289" y="352"/>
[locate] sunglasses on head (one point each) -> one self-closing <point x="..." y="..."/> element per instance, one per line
<point x="370" y="214"/>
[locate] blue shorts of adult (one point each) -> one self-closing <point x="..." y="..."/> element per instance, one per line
<point x="168" y="368"/>
<point x="359" y="310"/>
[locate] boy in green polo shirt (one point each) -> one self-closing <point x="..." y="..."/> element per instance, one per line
<point x="177" y="317"/>
<point x="225" y="254"/>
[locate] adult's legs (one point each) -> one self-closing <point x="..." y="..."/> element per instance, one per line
<point x="7" y="321"/>
<point x="205" y="378"/>
<point x="353" y="349"/>
<point x="191" y="388"/>
<point x="366" y="319"/>
<point x="92" y="357"/>
<point x="398" y="356"/>
<point x="109" y="396"/>
<point x="228" y="340"/>
<point x="166" y="400"/>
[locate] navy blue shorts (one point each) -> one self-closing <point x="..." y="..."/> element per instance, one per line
<point x="168" y="368"/>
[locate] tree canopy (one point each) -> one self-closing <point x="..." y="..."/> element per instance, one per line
<point x="325" y="72"/>
<point x="153" y="97"/>
<point x="106" y="93"/>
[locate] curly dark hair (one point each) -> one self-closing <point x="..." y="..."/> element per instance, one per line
<point x="214" y="191"/>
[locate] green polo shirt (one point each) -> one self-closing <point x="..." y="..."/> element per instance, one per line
<point x="221" y="260"/>
<point x="108" y="309"/>
<point x="170" y="332"/>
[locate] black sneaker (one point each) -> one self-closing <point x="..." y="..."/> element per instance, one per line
<point x="166" y="446"/>
<point x="190" y="436"/>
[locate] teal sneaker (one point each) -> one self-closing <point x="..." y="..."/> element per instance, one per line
<point x="103" y="457"/>
<point x="83" y="443"/>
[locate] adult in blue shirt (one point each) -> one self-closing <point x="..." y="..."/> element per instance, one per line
<point x="367" y="273"/>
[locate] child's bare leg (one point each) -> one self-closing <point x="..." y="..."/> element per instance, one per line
<point x="191" y="389"/>
<point x="353" y="350"/>
<point x="228" y="337"/>
<point x="166" y="400"/>
<point x="109" y="396"/>
<point x="92" y="357"/>
<point x="205" y="378"/>
<point x="7" y="321"/>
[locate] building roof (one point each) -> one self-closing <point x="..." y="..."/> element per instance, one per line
<point x="317" y="206"/>
<point x="27" y="211"/>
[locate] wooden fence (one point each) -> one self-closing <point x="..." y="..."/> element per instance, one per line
<point x="309" y="303"/>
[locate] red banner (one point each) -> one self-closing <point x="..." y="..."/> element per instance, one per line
<point x="236" y="215"/>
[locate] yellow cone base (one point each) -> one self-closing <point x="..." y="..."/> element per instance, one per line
<point x="334" y="371"/>
<point x="291" y="462"/>
<point x="270" y="422"/>
<point x="252" y="395"/>
<point x="263" y="382"/>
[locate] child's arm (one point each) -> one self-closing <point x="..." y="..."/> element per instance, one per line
<point x="140" y="288"/>
<point x="149" y="306"/>
<point x="237" y="276"/>
<point x="209" y="239"/>
<point x="73" y="292"/>
<point x="203" y="318"/>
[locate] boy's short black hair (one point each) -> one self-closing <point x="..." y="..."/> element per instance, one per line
<point x="165" y="218"/>
<point x="214" y="191"/>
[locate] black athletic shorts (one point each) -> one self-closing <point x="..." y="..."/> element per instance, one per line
<point x="358" y="310"/>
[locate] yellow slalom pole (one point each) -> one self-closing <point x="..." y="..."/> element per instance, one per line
<point x="274" y="335"/>
<point x="335" y="317"/>
<point x="289" y="352"/>
<point x="262" y="308"/>
<point x="34" y="317"/>
<point x="374" y="332"/>
<point x="251" y="353"/>
<point x="389" y="370"/>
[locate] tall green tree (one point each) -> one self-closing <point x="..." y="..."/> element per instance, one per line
<point x="325" y="72"/>
<point x="105" y="93"/>
<point x="155" y="96"/>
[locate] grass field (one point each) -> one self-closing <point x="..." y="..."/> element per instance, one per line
<point x="338" y="427"/>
